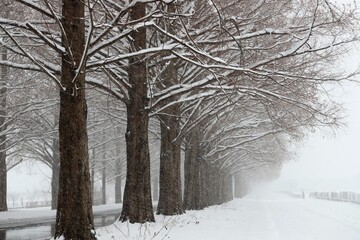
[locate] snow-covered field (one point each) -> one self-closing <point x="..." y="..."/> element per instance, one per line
<point x="259" y="216"/>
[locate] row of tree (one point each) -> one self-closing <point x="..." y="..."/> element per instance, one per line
<point x="227" y="83"/>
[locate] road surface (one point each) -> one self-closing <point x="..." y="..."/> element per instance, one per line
<point x="279" y="217"/>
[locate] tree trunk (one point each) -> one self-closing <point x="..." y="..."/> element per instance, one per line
<point x="155" y="188"/>
<point x="137" y="206"/>
<point x="55" y="174"/>
<point x="74" y="218"/>
<point x="206" y="187"/>
<point x="3" y="182"/>
<point x="192" y="172"/>
<point x="2" y="234"/>
<point x="213" y="186"/>
<point x="170" y="197"/>
<point x="55" y="185"/>
<point x="240" y="186"/>
<point x="203" y="175"/>
<point x="103" y="172"/>
<point x="227" y="188"/>
<point x="92" y="175"/>
<point x="118" y="182"/>
<point x="217" y="191"/>
<point x="103" y="184"/>
<point x="204" y="183"/>
<point x="3" y="172"/>
<point x="209" y="181"/>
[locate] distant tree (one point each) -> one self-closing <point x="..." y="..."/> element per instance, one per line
<point x="106" y="126"/>
<point x="43" y="146"/>
<point x="3" y="169"/>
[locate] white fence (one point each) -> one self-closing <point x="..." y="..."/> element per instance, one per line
<point x="295" y="195"/>
<point x="337" y="196"/>
<point x="28" y="204"/>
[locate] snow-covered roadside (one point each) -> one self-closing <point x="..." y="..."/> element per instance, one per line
<point x="258" y="216"/>
<point x="27" y="216"/>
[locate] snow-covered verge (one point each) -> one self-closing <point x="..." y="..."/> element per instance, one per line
<point x="258" y="216"/>
<point x="27" y="216"/>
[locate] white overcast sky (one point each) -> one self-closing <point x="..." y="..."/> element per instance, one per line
<point x="328" y="162"/>
<point x="324" y="162"/>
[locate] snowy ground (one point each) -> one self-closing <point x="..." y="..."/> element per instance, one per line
<point x="259" y="216"/>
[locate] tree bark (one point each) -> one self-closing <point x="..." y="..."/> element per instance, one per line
<point x="118" y="182"/>
<point x="103" y="172"/>
<point x="137" y="205"/>
<point x="2" y="234"/>
<point x="103" y="183"/>
<point x="55" y="174"/>
<point x="92" y="175"/>
<point x="3" y="172"/>
<point x="74" y="218"/>
<point x="155" y="185"/>
<point x="213" y="186"/>
<point x="3" y="182"/>
<point x="192" y="172"/>
<point x="170" y="197"/>
<point x="170" y="194"/>
<point x="207" y="187"/>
